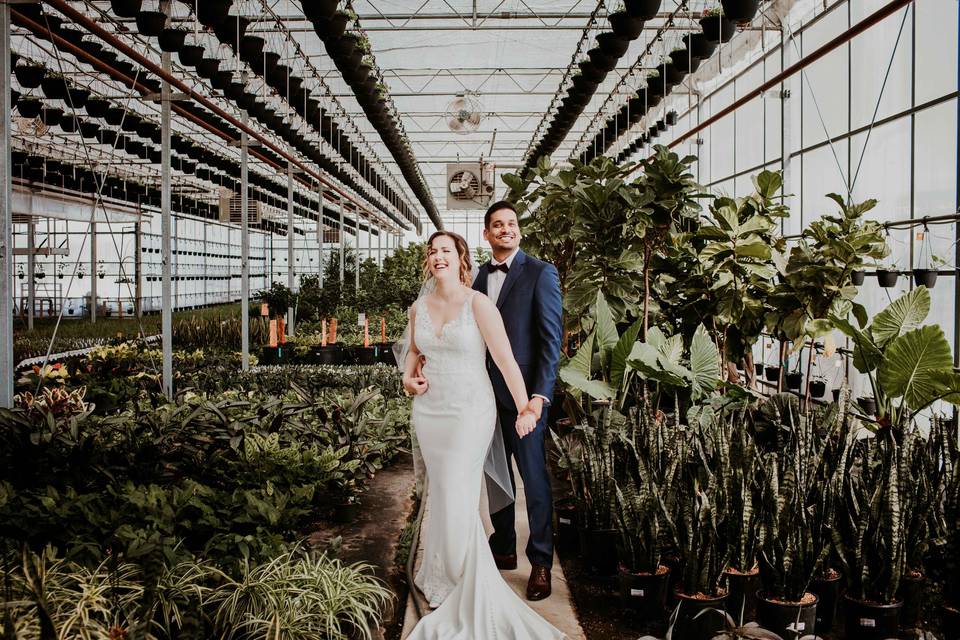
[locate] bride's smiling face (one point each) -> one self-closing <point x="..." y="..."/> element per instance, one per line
<point x="443" y="259"/>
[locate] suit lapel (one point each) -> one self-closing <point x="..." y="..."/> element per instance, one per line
<point x="519" y="262"/>
<point x="480" y="282"/>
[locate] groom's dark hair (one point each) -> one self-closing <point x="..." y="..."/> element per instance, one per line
<point x="497" y="206"/>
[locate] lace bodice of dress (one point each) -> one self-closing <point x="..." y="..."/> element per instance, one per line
<point x="457" y="346"/>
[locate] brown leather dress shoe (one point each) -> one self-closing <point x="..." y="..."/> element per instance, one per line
<point x="538" y="587"/>
<point x="505" y="562"/>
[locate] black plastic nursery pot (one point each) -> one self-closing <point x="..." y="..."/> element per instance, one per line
<point x="385" y="354"/>
<point x="836" y="395"/>
<point x="857" y="276"/>
<point x="758" y="368"/>
<point x="950" y="622"/>
<point x="740" y="10"/>
<point x="645" y="593"/>
<point x="625" y="25"/>
<point x="718" y="28"/>
<point x="568" y="540"/>
<point x="330" y="354"/>
<point x="599" y="549"/>
<point x="818" y="388"/>
<point x="151" y="23"/>
<point x="911" y="592"/>
<point x="789" y="620"/>
<point x="742" y="591"/>
<point x="364" y="355"/>
<point x="887" y="278"/>
<point x="827" y="590"/>
<point x="925" y="277"/>
<point x="644" y="9"/>
<point x="29" y="76"/>
<point x="691" y="624"/>
<point x="867" y="404"/>
<point x="772" y="374"/>
<point x="871" y="621"/>
<point x="345" y="512"/>
<point x="699" y="46"/>
<point x="171" y="40"/>
<point x="126" y="8"/>
<point x="794" y="380"/>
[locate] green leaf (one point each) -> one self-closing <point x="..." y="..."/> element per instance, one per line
<point x="915" y="365"/>
<point x="605" y="329"/>
<point x="597" y="389"/>
<point x="704" y="363"/>
<point x="904" y="314"/>
<point x="618" y="359"/>
<point x="581" y="362"/>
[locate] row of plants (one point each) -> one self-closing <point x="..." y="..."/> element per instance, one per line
<point x="687" y="479"/>
<point x="217" y="485"/>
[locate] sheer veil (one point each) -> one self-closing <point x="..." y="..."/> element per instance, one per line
<point x="499" y="488"/>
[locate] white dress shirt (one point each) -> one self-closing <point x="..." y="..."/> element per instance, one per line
<point x="495" y="280"/>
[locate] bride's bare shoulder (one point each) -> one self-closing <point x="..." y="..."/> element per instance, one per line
<point x="480" y="302"/>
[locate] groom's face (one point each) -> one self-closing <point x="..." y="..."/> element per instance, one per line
<point x="503" y="232"/>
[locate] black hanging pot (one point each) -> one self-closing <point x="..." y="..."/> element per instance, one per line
<point x="155" y="156"/>
<point x="585" y="85"/>
<point x="29" y="76"/>
<point x="97" y="108"/>
<point x="925" y="277"/>
<point x="69" y="124"/>
<point x="593" y="74"/>
<point x="151" y="23"/>
<point x="740" y="10"/>
<point x="126" y="8"/>
<point x="190" y="55"/>
<point x="51" y="116"/>
<point x="221" y="80"/>
<point x="319" y="9"/>
<point x="717" y="28"/>
<point x="210" y="12"/>
<point x="107" y="136"/>
<point x="887" y="278"/>
<point x="683" y="59"/>
<point x="870" y="621"/>
<point x="171" y="40"/>
<point x="612" y="45"/>
<point x="601" y="61"/>
<point x="857" y="276"/>
<point x="699" y="46"/>
<point x="794" y="380"/>
<point x="789" y="620"/>
<point x="772" y="374"/>
<point x="818" y="388"/>
<point x="29" y="107"/>
<point x="868" y="404"/>
<point x="625" y="26"/>
<point x="673" y="73"/>
<point x="234" y="90"/>
<point x="231" y="29"/>
<point x="77" y="98"/>
<point x="340" y="47"/>
<point x="207" y="67"/>
<point x="113" y="115"/>
<point x="643" y="9"/>
<point x="89" y="129"/>
<point x="251" y="49"/>
<point x="54" y="87"/>
<point x="130" y="123"/>
<point x="332" y="28"/>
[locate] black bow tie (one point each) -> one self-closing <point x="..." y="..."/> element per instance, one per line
<point x="498" y="267"/>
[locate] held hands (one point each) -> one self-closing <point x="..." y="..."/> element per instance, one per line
<point x="528" y="418"/>
<point x="416" y="384"/>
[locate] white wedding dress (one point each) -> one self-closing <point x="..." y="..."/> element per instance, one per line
<point x="454" y="421"/>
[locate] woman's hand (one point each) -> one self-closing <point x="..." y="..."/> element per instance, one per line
<point x="415" y="385"/>
<point x="526" y="423"/>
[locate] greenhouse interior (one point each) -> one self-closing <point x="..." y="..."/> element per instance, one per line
<point x="479" y="319"/>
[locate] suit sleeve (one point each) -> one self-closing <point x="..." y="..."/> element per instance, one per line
<point x="548" y="306"/>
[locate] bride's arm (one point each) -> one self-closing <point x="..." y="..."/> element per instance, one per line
<point x="412" y="381"/>
<point x="491" y="328"/>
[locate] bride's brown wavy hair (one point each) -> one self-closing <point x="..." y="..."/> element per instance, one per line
<point x="463" y="251"/>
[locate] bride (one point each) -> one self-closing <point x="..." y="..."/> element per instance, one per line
<point x="454" y="415"/>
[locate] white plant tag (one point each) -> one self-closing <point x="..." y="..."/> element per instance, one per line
<point x="797" y="626"/>
<point x="868" y="622"/>
<point x="636" y="592"/>
<point x="564" y="520"/>
<point x="361" y="318"/>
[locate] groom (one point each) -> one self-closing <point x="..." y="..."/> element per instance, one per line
<point x="527" y="292"/>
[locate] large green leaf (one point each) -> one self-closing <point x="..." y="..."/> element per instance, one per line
<point x="605" y="329"/>
<point x="904" y="314"/>
<point x="704" y="363"/>
<point x="581" y="361"/>
<point x="618" y="360"/>
<point x="866" y="354"/>
<point x="915" y="366"/>
<point x="597" y="389"/>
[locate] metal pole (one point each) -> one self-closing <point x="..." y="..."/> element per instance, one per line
<point x="166" y="299"/>
<point x="380" y="249"/>
<point x="31" y="269"/>
<point x="244" y="252"/>
<point x="290" y="273"/>
<point x="321" y="234"/>
<point x="138" y="270"/>
<point x="6" y="217"/>
<point x="94" y="276"/>
<point x="343" y="237"/>
<point x="356" y="271"/>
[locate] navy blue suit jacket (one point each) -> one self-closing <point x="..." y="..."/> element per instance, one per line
<point x="532" y="310"/>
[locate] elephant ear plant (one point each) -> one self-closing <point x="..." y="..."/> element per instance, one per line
<point x="909" y="365"/>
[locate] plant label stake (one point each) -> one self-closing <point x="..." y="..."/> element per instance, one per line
<point x="323" y="333"/>
<point x="273" y="333"/>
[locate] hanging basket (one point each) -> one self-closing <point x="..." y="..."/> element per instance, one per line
<point x="718" y="28"/>
<point x="29" y="107"/>
<point x="126" y="8"/>
<point x="643" y="9"/>
<point x="171" y="40"/>
<point x="612" y="45"/>
<point x="29" y="76"/>
<point x="151" y="23"/>
<point x="740" y="10"/>
<point x="683" y="59"/>
<point x="625" y="26"/>
<point x="190" y="55"/>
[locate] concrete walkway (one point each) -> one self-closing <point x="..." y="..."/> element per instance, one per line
<point x="557" y="609"/>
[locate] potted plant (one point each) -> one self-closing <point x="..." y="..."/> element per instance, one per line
<point x="857" y="276"/>
<point x="818" y="387"/>
<point x="794" y="380"/>
<point x="643" y="9"/>
<point x="740" y="10"/>
<point x="928" y="277"/>
<point x="716" y="27"/>
<point x="887" y="276"/>
<point x="950" y="526"/>
<point x="625" y="25"/>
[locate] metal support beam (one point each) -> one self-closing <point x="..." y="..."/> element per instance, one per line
<point x="380" y="249"/>
<point x="244" y="250"/>
<point x="166" y="226"/>
<point x="359" y="259"/>
<point x="31" y="270"/>
<point x="290" y="234"/>
<point x="343" y="236"/>
<point x="93" y="270"/>
<point x="138" y="270"/>
<point x="6" y="217"/>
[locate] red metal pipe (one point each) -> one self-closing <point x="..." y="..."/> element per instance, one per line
<point x="875" y="17"/>
<point x="112" y="40"/>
